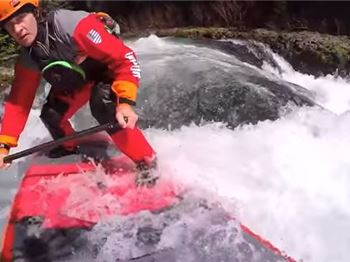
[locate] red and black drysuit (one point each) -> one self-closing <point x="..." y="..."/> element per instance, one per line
<point x="112" y="73"/>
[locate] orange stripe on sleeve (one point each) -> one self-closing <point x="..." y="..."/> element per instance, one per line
<point x="8" y="140"/>
<point x="125" y="89"/>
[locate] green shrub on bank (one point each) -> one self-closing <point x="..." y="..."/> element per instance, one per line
<point x="7" y="47"/>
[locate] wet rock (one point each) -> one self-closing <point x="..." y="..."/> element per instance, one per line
<point x="225" y="91"/>
<point x="244" y="104"/>
<point x="308" y="52"/>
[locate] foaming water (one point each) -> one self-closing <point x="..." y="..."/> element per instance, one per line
<point x="197" y="231"/>
<point x="330" y="91"/>
<point x="288" y="180"/>
<point x="290" y="177"/>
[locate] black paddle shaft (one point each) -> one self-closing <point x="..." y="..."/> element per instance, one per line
<point x="55" y="143"/>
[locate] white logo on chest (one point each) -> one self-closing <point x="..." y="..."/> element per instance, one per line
<point x="94" y="36"/>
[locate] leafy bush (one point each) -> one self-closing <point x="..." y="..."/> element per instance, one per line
<point x="7" y="47"/>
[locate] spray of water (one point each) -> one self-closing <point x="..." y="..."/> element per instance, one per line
<point x="288" y="179"/>
<point x="331" y="91"/>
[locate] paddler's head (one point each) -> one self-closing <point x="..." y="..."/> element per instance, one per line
<point x="17" y="17"/>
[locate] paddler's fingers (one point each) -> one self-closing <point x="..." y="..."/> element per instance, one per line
<point x="132" y="119"/>
<point x="126" y="116"/>
<point x="121" y="120"/>
<point x="3" y="165"/>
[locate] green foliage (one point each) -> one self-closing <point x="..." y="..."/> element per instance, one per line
<point x="48" y="5"/>
<point x="7" y="47"/>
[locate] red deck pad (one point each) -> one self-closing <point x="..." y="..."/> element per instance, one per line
<point x="78" y="195"/>
<point x="61" y="194"/>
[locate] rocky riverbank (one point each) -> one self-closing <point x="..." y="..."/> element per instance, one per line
<point x="308" y="52"/>
<point x="325" y="52"/>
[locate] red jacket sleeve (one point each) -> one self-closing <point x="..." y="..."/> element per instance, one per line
<point x="94" y="41"/>
<point x="18" y="104"/>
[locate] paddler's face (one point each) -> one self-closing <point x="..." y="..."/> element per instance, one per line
<point x="23" y="28"/>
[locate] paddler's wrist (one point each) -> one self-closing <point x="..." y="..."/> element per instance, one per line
<point x="123" y="100"/>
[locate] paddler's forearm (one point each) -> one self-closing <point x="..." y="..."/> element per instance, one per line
<point x="18" y="104"/>
<point x="13" y="122"/>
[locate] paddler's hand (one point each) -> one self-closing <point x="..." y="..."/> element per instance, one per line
<point x="3" y="153"/>
<point x="126" y="116"/>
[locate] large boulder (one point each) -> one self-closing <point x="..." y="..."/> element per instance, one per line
<point x="209" y="85"/>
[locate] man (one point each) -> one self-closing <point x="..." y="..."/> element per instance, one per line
<point x="84" y="62"/>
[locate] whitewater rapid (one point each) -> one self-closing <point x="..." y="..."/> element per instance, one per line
<point x="289" y="180"/>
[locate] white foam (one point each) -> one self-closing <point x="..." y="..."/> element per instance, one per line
<point x="290" y="177"/>
<point x="333" y="92"/>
